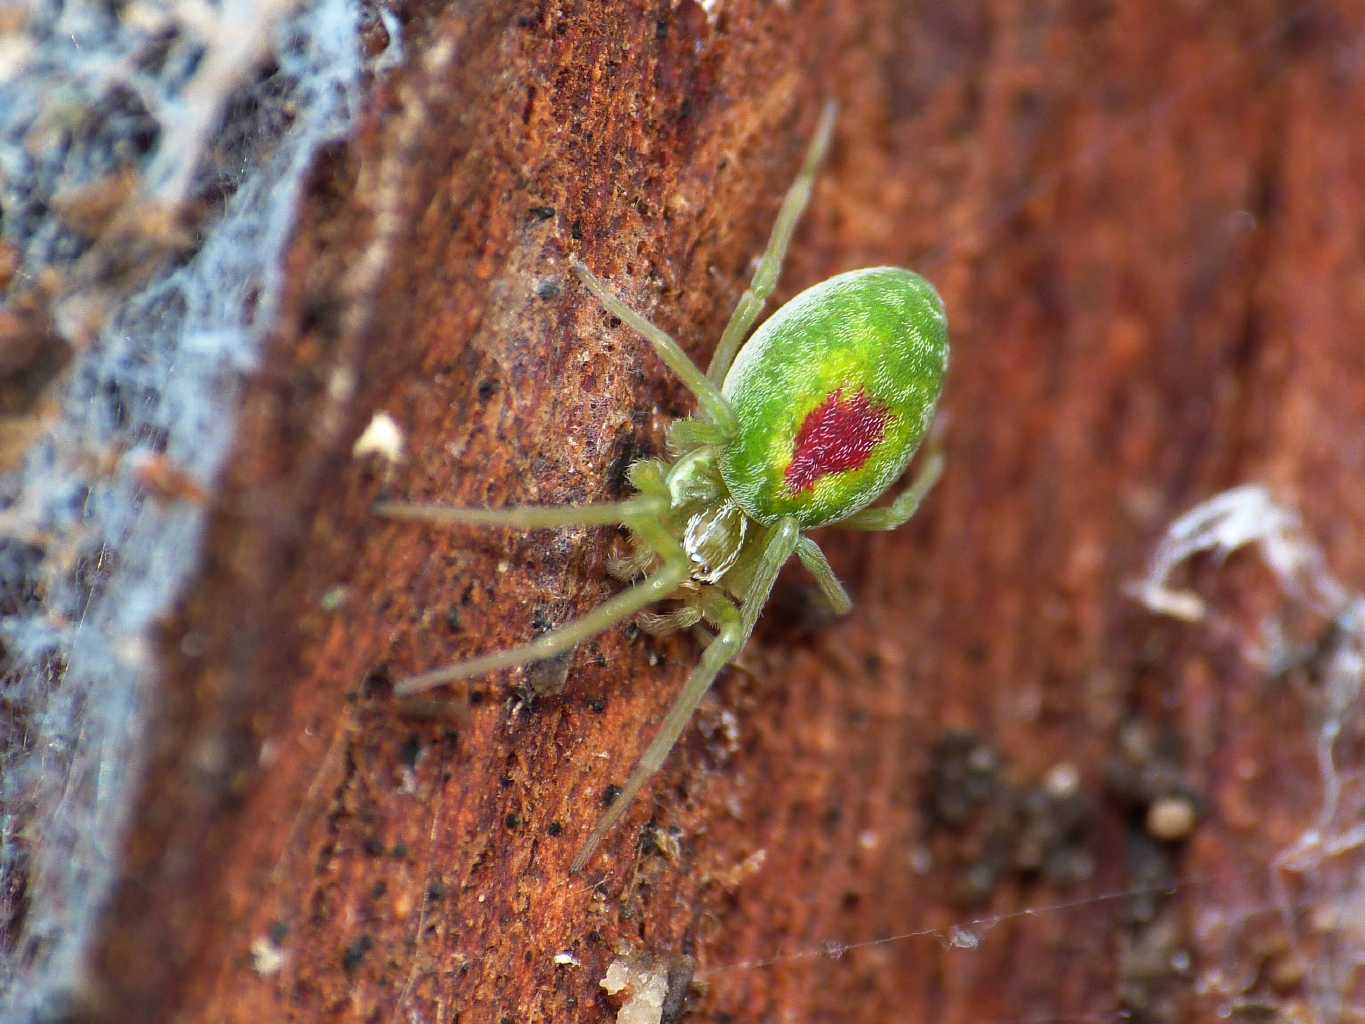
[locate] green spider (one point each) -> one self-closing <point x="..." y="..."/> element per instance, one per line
<point x="804" y="425"/>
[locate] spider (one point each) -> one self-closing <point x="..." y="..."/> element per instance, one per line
<point x="803" y="425"/>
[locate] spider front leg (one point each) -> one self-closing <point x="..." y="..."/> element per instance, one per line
<point x="734" y="627"/>
<point x="907" y="503"/>
<point x="642" y="515"/>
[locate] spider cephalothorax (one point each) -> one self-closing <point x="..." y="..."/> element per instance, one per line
<point x="804" y="426"/>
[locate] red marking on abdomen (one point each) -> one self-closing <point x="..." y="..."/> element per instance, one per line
<point x="836" y="437"/>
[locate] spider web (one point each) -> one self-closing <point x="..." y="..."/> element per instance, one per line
<point x="218" y="105"/>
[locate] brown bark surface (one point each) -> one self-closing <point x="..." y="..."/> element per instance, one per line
<point x="1147" y="224"/>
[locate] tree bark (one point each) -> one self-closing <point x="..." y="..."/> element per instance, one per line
<point x="1146" y="224"/>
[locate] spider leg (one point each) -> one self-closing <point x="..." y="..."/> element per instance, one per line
<point x="601" y="618"/>
<point x="765" y="277"/>
<point x="528" y="517"/>
<point x="734" y="626"/>
<point x="629" y="568"/>
<point x="818" y="566"/>
<point x="643" y="519"/>
<point x="708" y="394"/>
<point x="664" y="625"/>
<point x="888" y="517"/>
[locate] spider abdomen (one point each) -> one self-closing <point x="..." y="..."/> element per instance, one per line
<point x="832" y="395"/>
